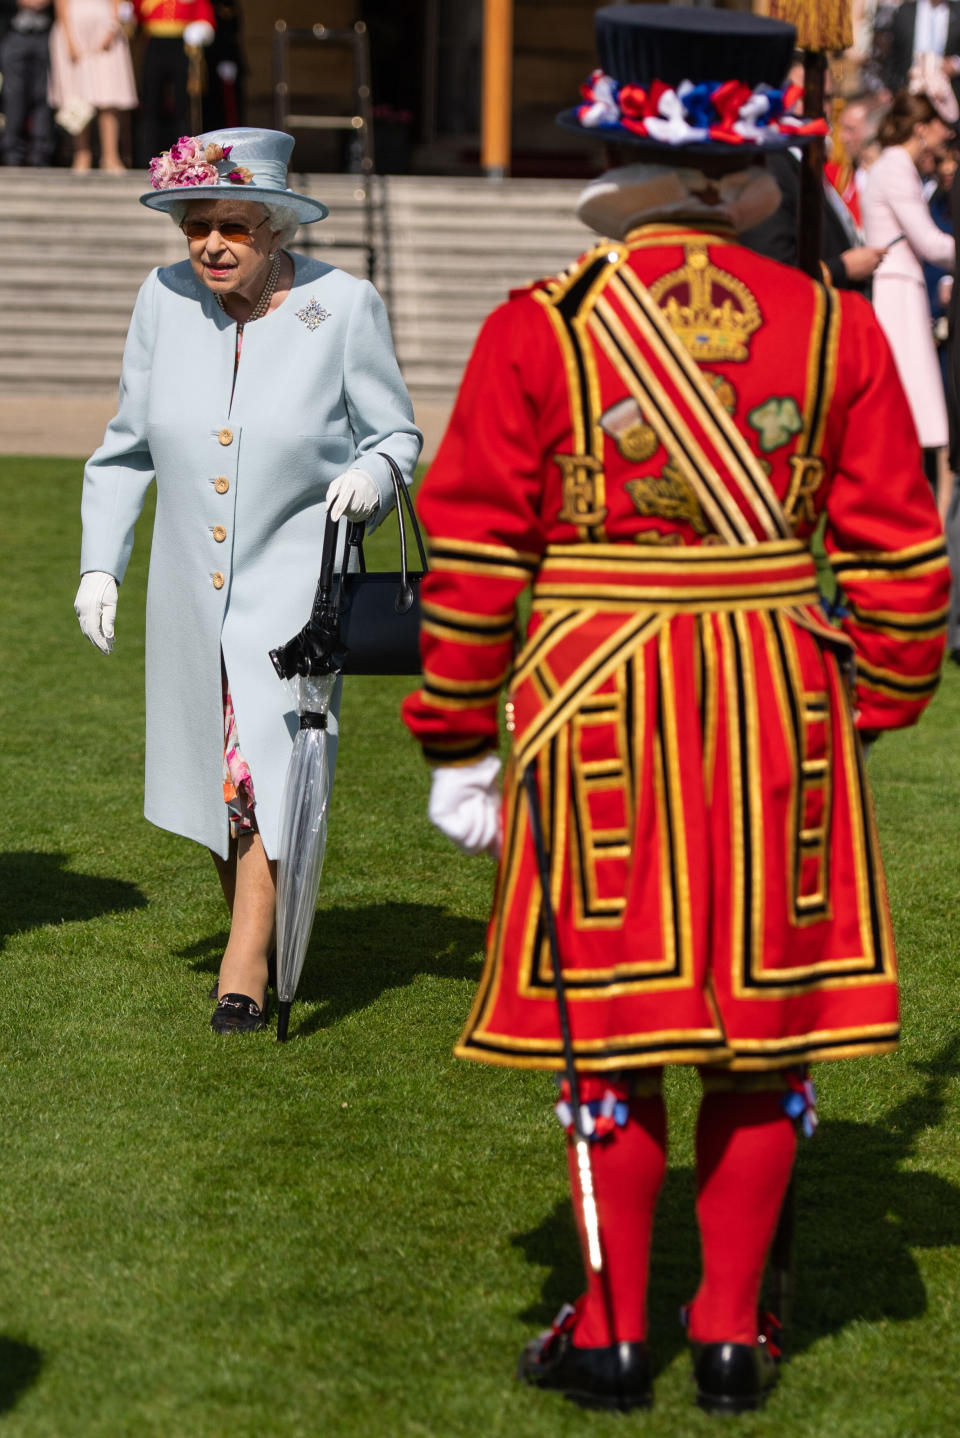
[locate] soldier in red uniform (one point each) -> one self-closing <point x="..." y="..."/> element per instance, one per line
<point x="170" y="26"/>
<point x="650" y="441"/>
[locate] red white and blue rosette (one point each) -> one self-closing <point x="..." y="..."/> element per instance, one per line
<point x="710" y="116"/>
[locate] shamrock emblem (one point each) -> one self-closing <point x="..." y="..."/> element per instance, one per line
<point x="313" y="314"/>
<point x="776" y="422"/>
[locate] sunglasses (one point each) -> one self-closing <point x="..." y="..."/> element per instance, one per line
<point x="235" y="232"/>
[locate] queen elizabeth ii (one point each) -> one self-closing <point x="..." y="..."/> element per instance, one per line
<point x="259" y="387"/>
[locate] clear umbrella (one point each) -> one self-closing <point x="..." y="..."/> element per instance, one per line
<point x="303" y="836"/>
<point x="311" y="664"/>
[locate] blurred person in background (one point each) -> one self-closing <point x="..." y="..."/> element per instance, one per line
<point x="849" y="262"/>
<point x="224" y="101"/>
<point x="177" y="31"/>
<point x="856" y="129"/>
<point x="897" y="221"/>
<point x="90" y="66"/>
<point x="28" y="133"/>
<point x="921" y="30"/>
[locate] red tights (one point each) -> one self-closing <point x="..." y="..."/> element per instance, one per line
<point x="745" y="1149"/>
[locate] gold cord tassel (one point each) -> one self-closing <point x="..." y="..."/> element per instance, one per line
<point x="820" y="24"/>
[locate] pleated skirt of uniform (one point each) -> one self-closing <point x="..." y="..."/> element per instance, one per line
<point x="715" y="872"/>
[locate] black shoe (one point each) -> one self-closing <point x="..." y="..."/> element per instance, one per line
<point x="238" y="1014"/>
<point x="214" y="993"/>
<point x="732" y="1377"/>
<point x="617" y="1376"/>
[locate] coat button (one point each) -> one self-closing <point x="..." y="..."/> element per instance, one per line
<point x="219" y="533"/>
<point x="225" y="436"/>
<point x="221" y="484"/>
<point x="218" y="580"/>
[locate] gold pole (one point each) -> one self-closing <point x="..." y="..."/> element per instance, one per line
<point x="497" y="87"/>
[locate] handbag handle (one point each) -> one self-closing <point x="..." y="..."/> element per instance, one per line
<point x="402" y="497"/>
<point x="405" y="594"/>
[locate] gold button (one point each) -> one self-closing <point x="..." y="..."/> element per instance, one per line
<point x="221" y="484"/>
<point x="219" y="533"/>
<point x="225" y="436"/>
<point x="218" y="580"/>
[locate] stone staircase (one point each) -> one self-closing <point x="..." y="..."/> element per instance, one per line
<point x="75" y="248"/>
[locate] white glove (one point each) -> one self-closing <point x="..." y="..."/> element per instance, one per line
<point x="125" y="12"/>
<point x="96" y="608"/>
<point x="227" y="70"/>
<point x="353" y="494"/>
<point x="198" y="32"/>
<point x="465" y="805"/>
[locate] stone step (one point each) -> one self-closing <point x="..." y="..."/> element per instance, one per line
<point x="447" y="250"/>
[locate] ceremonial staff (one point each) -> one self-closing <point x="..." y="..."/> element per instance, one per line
<point x="822" y="26"/>
<point x="581" y="1140"/>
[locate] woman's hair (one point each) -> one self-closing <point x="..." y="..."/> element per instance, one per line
<point x="283" y="220"/>
<point x="906" y="110"/>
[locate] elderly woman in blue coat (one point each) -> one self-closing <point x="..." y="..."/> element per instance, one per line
<point x="259" y="387"/>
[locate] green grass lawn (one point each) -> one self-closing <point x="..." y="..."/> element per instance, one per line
<point x="354" y="1234"/>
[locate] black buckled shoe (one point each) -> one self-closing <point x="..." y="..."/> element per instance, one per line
<point x="238" y="1014"/>
<point x="733" y="1377"/>
<point x="616" y="1377"/>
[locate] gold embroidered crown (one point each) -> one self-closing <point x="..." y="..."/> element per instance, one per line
<point x="712" y="312"/>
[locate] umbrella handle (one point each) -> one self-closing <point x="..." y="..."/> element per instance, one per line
<point x="327" y="558"/>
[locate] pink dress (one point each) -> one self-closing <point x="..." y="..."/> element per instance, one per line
<point x="104" y="78"/>
<point x="893" y="205"/>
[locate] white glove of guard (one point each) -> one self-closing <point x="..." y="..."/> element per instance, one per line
<point x="353" y="494"/>
<point x="198" y="32"/>
<point x="96" y="608"/>
<point x="465" y="805"/>
<point x="227" y="70"/>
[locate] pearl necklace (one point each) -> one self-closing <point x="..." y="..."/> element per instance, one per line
<point x="262" y="305"/>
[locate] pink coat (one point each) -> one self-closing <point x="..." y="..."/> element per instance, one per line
<point x="893" y="205"/>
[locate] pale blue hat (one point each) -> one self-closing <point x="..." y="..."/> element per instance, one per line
<point x="184" y="173"/>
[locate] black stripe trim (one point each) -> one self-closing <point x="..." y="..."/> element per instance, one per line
<point x="913" y="688"/>
<point x="469" y="556"/>
<point x="492" y="632"/>
<point x="479" y="694"/>
<point x="889" y="563"/>
<point x="878" y="620"/>
<point x="473" y="749"/>
<point x="825" y="335"/>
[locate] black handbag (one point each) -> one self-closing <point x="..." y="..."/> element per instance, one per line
<point x="367" y="622"/>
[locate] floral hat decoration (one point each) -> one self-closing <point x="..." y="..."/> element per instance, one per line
<point x="248" y="162"/>
<point x="698" y="80"/>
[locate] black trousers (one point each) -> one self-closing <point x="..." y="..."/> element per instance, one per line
<point x="165" y="69"/>
<point x="28" y="136"/>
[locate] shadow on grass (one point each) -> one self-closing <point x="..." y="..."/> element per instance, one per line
<point x="860" y="1213"/>
<point x="20" y="1365"/>
<point x="206" y="952"/>
<point x="357" y="954"/>
<point x="36" y="889"/>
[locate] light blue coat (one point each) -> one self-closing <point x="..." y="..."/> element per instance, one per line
<point x="234" y="567"/>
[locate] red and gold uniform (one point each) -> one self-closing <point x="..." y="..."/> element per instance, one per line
<point x="169" y="18"/>
<point x="650" y="441"/>
<point x="170" y="70"/>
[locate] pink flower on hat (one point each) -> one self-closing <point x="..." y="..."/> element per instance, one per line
<point x="186" y="163"/>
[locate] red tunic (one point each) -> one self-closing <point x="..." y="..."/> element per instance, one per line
<point x="715" y="872"/>
<point x="169" y="18"/>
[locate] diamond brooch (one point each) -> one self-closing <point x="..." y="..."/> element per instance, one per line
<point x="313" y="314"/>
